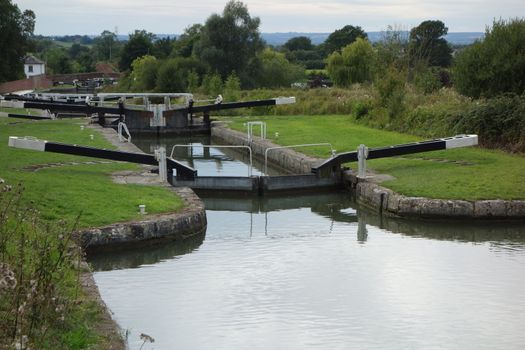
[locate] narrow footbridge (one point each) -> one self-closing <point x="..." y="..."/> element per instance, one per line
<point x="323" y="176"/>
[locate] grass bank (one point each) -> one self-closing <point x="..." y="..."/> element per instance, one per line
<point x="467" y="173"/>
<point x="62" y="191"/>
<point x="43" y="198"/>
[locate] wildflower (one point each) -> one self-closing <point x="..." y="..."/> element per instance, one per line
<point x="146" y="338"/>
<point x="7" y="278"/>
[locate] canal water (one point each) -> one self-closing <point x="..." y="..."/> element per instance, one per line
<point x="316" y="272"/>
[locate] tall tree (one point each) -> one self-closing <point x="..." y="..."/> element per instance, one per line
<point x="140" y="43"/>
<point x="229" y="41"/>
<point x="427" y="45"/>
<point x="16" y="29"/>
<point x="343" y="37"/>
<point x="186" y="42"/>
<point x="353" y="65"/>
<point x="105" y="45"/>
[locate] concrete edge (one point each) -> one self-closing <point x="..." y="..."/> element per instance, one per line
<point x="393" y="204"/>
<point x="188" y="222"/>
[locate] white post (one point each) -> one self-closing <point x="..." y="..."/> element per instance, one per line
<point x="160" y="155"/>
<point x="362" y="154"/>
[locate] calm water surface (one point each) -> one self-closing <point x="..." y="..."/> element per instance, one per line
<point x="314" y="272"/>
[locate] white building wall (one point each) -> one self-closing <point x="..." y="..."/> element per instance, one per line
<point x="38" y="69"/>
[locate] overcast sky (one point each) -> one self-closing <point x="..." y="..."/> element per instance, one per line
<point x="57" y="17"/>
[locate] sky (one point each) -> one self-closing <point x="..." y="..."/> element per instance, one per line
<point x="60" y="17"/>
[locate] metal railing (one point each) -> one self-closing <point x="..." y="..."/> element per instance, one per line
<point x="123" y="127"/>
<point x="332" y="151"/>
<point x="217" y="146"/>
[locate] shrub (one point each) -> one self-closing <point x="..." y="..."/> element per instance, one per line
<point x="391" y="89"/>
<point x="499" y="122"/>
<point x="39" y="272"/>
<point x="212" y="84"/>
<point x="427" y="79"/>
<point x="232" y="87"/>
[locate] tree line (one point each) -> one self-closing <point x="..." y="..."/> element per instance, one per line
<point x="228" y="49"/>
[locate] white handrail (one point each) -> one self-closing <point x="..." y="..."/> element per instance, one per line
<point x="332" y="151"/>
<point x="218" y="146"/>
<point x="122" y="126"/>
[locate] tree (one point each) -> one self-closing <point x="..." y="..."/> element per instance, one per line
<point x="353" y="65"/>
<point x="106" y="45"/>
<point x="299" y="43"/>
<point x="58" y="61"/>
<point x="162" y="47"/>
<point x="144" y="73"/>
<point x="495" y="65"/>
<point x="427" y="46"/>
<point x="16" y="30"/>
<point x="140" y="43"/>
<point x="392" y="48"/>
<point x="186" y="42"/>
<point x="343" y="37"/>
<point x="276" y="71"/>
<point x="179" y="74"/>
<point x="230" y="41"/>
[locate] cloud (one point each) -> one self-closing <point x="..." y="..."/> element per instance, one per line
<point x="169" y="16"/>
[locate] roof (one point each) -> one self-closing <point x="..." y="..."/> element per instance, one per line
<point x="105" y="68"/>
<point x="30" y="59"/>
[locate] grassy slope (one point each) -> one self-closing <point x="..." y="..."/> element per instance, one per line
<point x="66" y="191"/>
<point x="488" y="175"/>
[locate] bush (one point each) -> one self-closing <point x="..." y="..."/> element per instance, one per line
<point x="499" y="122"/>
<point x="212" y="84"/>
<point x="391" y="89"/>
<point x="495" y="65"/>
<point x="232" y="87"/>
<point x="427" y="79"/>
<point x="39" y="286"/>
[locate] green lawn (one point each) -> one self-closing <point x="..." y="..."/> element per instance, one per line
<point x="478" y="173"/>
<point x="26" y="111"/>
<point x="66" y="191"/>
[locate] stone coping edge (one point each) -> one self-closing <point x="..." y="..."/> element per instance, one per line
<point x="190" y="221"/>
<point x="390" y="203"/>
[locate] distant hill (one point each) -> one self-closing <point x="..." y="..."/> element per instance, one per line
<point x="457" y="38"/>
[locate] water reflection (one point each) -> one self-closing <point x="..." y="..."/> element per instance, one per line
<point x="269" y="215"/>
<point x="319" y="272"/>
<point x="148" y="255"/>
<point x="505" y="233"/>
